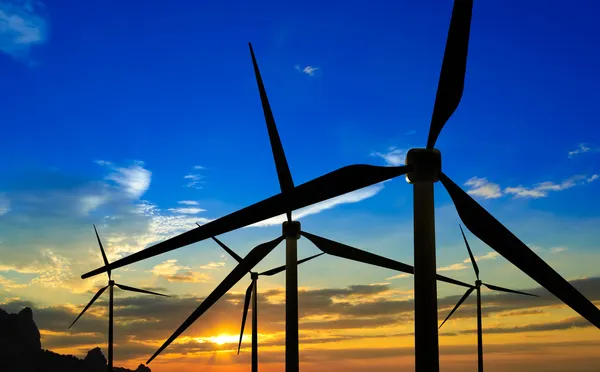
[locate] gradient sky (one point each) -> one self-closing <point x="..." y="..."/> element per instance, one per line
<point x="146" y="119"/>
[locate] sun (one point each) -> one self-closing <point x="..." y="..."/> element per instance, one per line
<point x="223" y="339"/>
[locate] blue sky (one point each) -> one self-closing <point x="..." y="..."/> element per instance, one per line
<point x="146" y="119"/>
<point x="168" y="93"/>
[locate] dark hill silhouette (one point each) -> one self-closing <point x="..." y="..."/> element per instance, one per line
<point x="21" y="350"/>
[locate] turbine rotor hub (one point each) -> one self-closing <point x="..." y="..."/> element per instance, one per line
<point x="478" y="283"/>
<point x="111" y="282"/>
<point x="253" y="275"/>
<point x="426" y="165"/>
<point x="291" y="229"/>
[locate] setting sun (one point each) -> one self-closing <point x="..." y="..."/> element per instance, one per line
<point x="224" y="339"/>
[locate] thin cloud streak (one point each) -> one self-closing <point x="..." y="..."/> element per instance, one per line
<point x="351" y="197"/>
<point x="488" y="190"/>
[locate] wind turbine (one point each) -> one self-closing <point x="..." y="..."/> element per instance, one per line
<point x="423" y="168"/>
<point x="477" y="287"/>
<point x="252" y="291"/>
<point x="261" y="251"/>
<point x="111" y="284"/>
<point x="291" y="231"/>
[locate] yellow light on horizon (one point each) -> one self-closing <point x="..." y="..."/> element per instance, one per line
<point x="224" y="339"/>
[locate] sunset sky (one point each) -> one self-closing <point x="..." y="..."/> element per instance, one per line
<point x="145" y="118"/>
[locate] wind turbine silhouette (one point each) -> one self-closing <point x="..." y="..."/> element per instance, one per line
<point x="328" y="246"/>
<point x="477" y="287"/>
<point x="423" y="168"/>
<point x="252" y="291"/>
<point x="111" y="284"/>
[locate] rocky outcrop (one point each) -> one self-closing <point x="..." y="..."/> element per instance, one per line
<point x="142" y="368"/>
<point x="21" y="350"/>
<point x="95" y="360"/>
<point x="18" y="332"/>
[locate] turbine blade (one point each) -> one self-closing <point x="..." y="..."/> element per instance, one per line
<point x="281" y="268"/>
<point x="254" y="257"/>
<point x="442" y="278"/>
<point x="245" y="314"/>
<point x="227" y="249"/>
<point x="470" y="253"/>
<point x="102" y="250"/>
<point x="454" y="67"/>
<point x="132" y="289"/>
<point x="98" y="294"/>
<point x="286" y="182"/>
<point x="493" y="233"/>
<point x="462" y="299"/>
<point x="496" y="288"/>
<point x="338" y="182"/>
<point x="345" y="251"/>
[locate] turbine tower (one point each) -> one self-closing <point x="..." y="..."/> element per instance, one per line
<point x="477" y="287"/>
<point x="110" y="286"/>
<point x="261" y="251"/>
<point x="423" y="168"/>
<point x="252" y="291"/>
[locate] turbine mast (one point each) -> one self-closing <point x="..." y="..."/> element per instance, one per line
<point x="426" y="166"/>
<point x="111" y="284"/>
<point x="291" y="231"/>
<point x="254" y="322"/>
<point x="479" y="329"/>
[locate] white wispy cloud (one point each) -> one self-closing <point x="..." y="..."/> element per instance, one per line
<point x="189" y="210"/>
<point x="483" y="188"/>
<point x="453" y="267"/>
<point x="399" y="276"/>
<point x="9" y="284"/>
<point x="215" y="265"/>
<point x="194" y="180"/>
<point x="135" y="180"/>
<point x="21" y="27"/>
<point x="582" y="148"/>
<point x="467" y="262"/>
<point x="188" y="202"/>
<point x="57" y="271"/>
<point x="122" y="184"/>
<point x="4" y="204"/>
<point x="487" y="256"/>
<point x="541" y="190"/>
<point x="173" y="272"/>
<point x="151" y="225"/>
<point x="394" y="156"/>
<point x="351" y="197"/>
<point x="89" y="203"/>
<point x="51" y="270"/>
<point x="308" y="70"/>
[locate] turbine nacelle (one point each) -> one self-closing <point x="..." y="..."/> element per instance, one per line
<point x="478" y="283"/>
<point x="111" y="282"/>
<point x="253" y="275"/>
<point x="291" y="229"/>
<point x="426" y="165"/>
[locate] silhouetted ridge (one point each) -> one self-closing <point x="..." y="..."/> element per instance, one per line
<point x="21" y="350"/>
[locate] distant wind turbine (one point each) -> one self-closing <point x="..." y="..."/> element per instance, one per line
<point x="252" y="291"/>
<point x="111" y="284"/>
<point x="477" y="287"/>
<point x="259" y="252"/>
